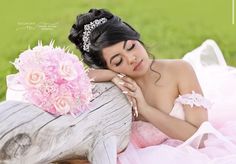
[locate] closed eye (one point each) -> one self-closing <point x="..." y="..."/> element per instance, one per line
<point x="117" y="64"/>
<point x="129" y="49"/>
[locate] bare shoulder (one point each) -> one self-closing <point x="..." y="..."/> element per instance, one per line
<point x="170" y="67"/>
<point x="187" y="82"/>
<point x="170" y="64"/>
<point x="180" y="67"/>
<point x="185" y="76"/>
<point x="182" y="74"/>
<point x="167" y="68"/>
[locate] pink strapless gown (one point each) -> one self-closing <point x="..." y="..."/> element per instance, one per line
<point x="150" y="146"/>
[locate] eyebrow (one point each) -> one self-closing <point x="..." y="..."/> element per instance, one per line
<point x="124" y="44"/>
<point x="118" y="54"/>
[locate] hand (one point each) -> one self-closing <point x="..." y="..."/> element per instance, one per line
<point x="133" y="92"/>
<point x="119" y="82"/>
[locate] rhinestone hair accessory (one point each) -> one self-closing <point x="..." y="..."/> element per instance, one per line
<point x="88" y="28"/>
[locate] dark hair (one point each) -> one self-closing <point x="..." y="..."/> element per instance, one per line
<point x="107" y="34"/>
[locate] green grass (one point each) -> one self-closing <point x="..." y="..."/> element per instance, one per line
<point x="170" y="28"/>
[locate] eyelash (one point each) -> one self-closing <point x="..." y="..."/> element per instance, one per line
<point x="129" y="49"/>
<point x="133" y="45"/>
<point x="117" y="64"/>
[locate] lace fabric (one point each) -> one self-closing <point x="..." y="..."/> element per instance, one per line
<point x="194" y="99"/>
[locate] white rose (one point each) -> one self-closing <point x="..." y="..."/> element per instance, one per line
<point x="63" y="104"/>
<point x="67" y="70"/>
<point x="35" y="78"/>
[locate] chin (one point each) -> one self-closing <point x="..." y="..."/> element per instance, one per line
<point x="140" y="73"/>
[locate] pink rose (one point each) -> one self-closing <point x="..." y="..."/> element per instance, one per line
<point x="34" y="78"/>
<point x="63" y="104"/>
<point x="67" y="70"/>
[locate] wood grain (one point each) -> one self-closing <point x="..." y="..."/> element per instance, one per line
<point x="30" y="135"/>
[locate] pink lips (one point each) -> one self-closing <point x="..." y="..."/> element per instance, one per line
<point x="136" y="67"/>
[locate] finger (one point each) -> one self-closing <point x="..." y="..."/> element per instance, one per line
<point x="129" y="93"/>
<point x="123" y="85"/>
<point x="124" y="77"/>
<point x="135" y="107"/>
<point x="121" y="75"/>
<point x="128" y="86"/>
<point x="117" y="81"/>
<point x="129" y="83"/>
<point x="130" y="101"/>
<point x="129" y="80"/>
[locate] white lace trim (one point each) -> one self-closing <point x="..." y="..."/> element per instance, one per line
<point x="194" y="99"/>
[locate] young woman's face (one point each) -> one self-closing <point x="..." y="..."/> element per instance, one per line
<point x="127" y="57"/>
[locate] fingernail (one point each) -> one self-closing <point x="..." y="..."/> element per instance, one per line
<point x="125" y="92"/>
<point x="92" y="79"/>
<point x="121" y="83"/>
<point x="136" y="111"/>
<point x="131" y="103"/>
<point x="121" y="75"/>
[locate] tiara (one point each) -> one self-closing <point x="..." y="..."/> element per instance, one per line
<point x="88" y="29"/>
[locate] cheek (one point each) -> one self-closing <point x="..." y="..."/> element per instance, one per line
<point x="119" y="69"/>
<point x="114" y="69"/>
<point x="141" y="50"/>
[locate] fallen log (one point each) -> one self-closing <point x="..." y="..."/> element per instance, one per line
<point x="31" y="135"/>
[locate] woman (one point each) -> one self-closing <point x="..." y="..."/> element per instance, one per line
<point x="164" y="93"/>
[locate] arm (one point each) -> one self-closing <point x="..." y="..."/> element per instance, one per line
<point x="188" y="82"/>
<point x="194" y="116"/>
<point x="171" y="126"/>
<point x="101" y="75"/>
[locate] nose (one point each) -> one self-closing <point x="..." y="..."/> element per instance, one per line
<point x="131" y="59"/>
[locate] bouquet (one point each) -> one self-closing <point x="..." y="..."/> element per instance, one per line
<point x="54" y="79"/>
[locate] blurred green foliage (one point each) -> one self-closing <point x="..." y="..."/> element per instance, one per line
<point x="169" y="28"/>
